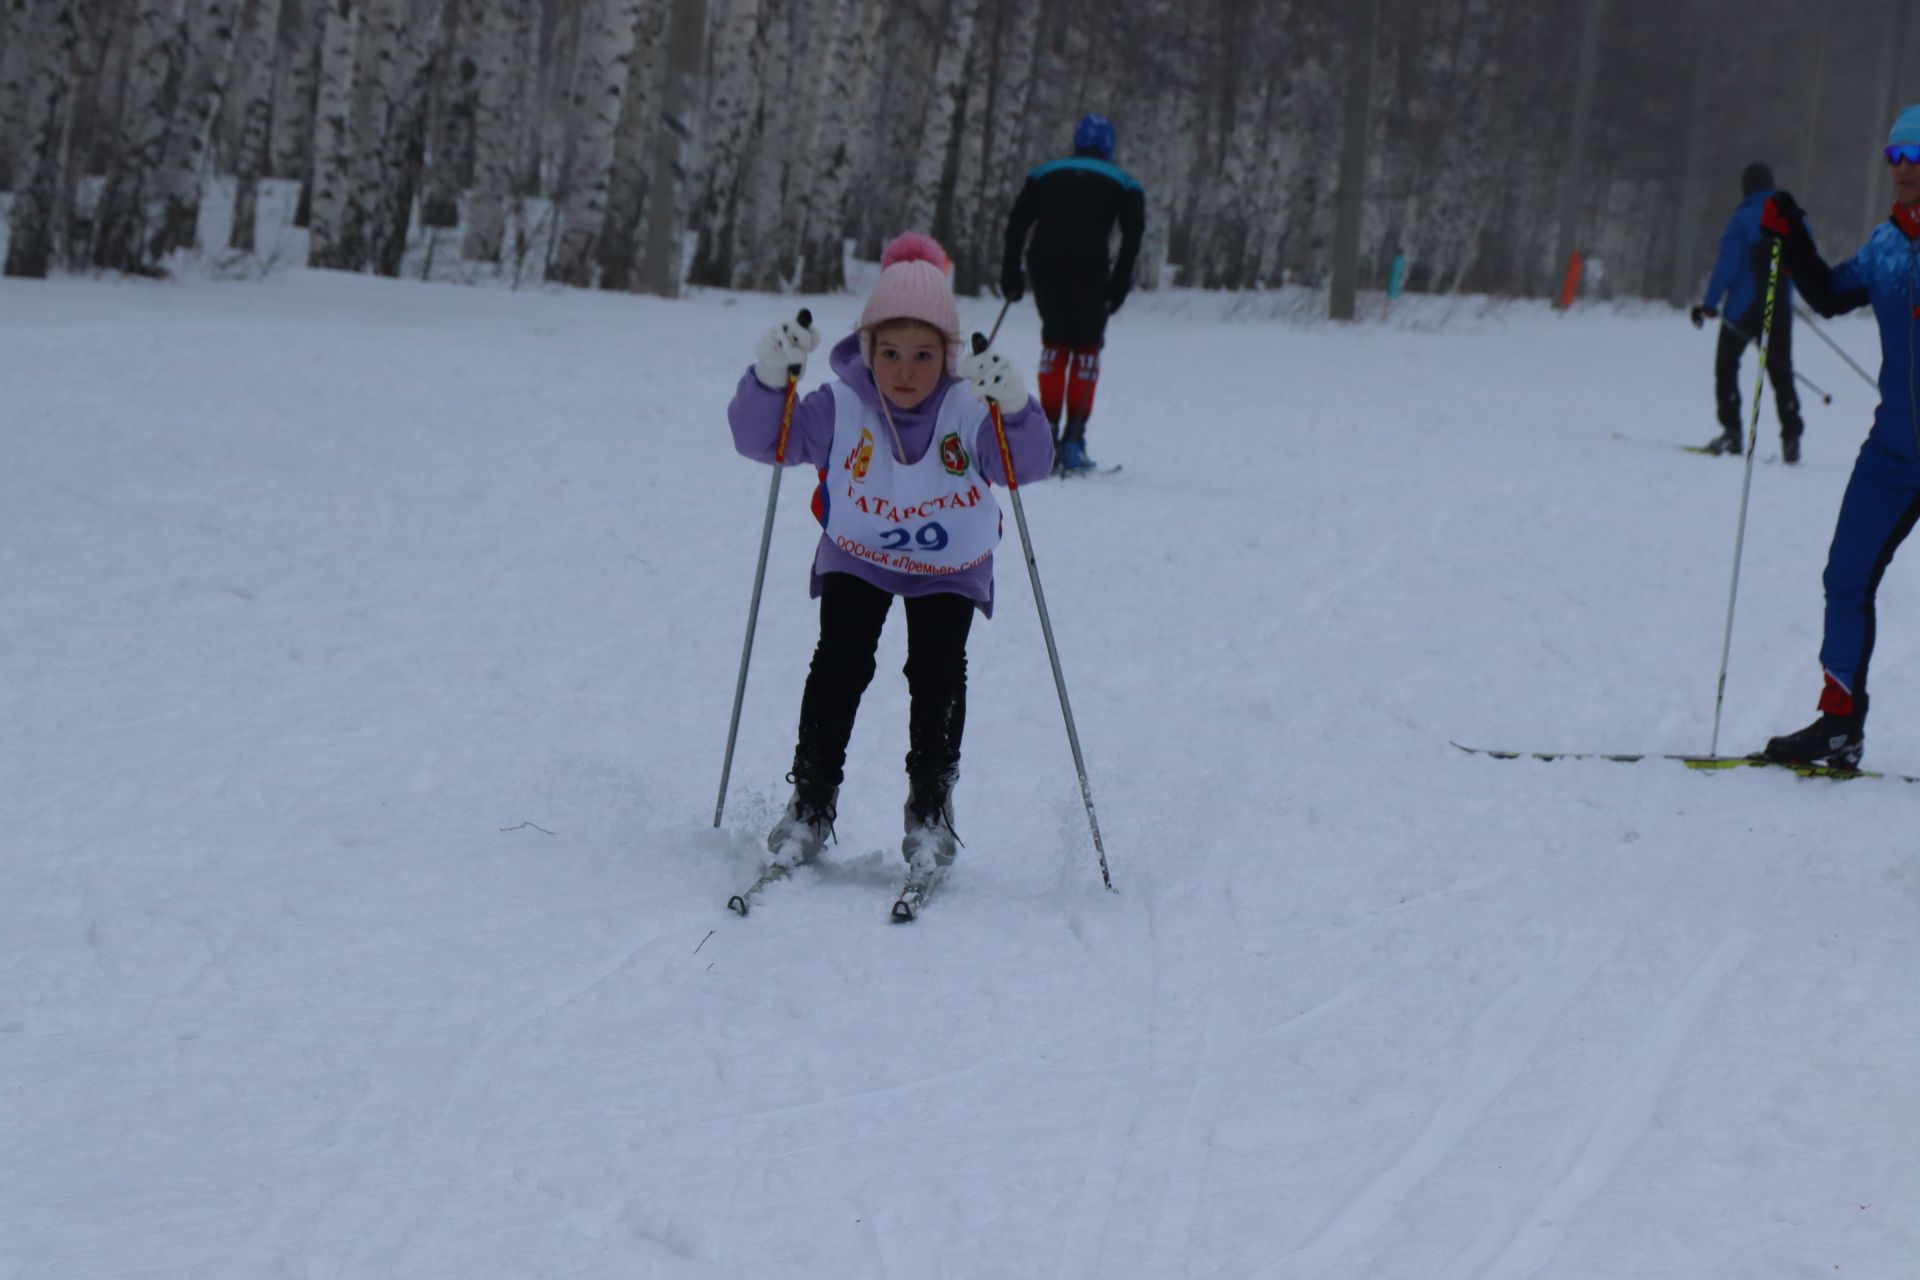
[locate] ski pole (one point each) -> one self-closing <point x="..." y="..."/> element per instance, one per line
<point x="980" y="344"/>
<point x="1798" y="376"/>
<point x="995" y="331"/>
<point x="1746" y="488"/>
<point x="1818" y="333"/>
<point x="760" y="571"/>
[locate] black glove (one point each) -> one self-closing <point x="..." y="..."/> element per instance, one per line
<point x="1700" y="315"/>
<point x="1013" y="286"/>
<point x="1782" y="216"/>
<point x="1116" y="294"/>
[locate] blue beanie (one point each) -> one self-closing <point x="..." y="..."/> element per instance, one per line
<point x="1906" y="130"/>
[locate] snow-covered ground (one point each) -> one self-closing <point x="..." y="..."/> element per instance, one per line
<point x="366" y="650"/>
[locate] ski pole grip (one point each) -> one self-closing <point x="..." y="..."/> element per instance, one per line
<point x="979" y="342"/>
<point x="793" y="388"/>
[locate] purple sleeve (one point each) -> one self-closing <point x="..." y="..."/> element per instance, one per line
<point x="1029" y="440"/>
<point x="754" y="416"/>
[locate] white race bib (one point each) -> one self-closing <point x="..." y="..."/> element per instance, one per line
<point x="936" y="516"/>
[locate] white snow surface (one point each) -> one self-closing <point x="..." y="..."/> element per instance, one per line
<point x="366" y="653"/>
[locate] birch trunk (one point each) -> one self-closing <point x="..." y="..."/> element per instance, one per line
<point x="173" y="214"/>
<point x="17" y="63"/>
<point x="496" y="126"/>
<point x="153" y="87"/>
<point x="633" y="146"/>
<point x="331" y="243"/>
<point x="413" y="27"/>
<point x="686" y="46"/>
<point x="1006" y="159"/>
<point x="762" y="169"/>
<point x="600" y="80"/>
<point x="823" y="232"/>
<point x="298" y="61"/>
<point x="933" y="167"/>
<point x="253" y="98"/>
<point x="731" y="104"/>
<point x="449" y="161"/>
<point x="375" y="60"/>
<point x="36" y="192"/>
<point x="964" y="228"/>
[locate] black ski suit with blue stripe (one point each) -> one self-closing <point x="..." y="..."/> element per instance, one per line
<point x="1072" y="206"/>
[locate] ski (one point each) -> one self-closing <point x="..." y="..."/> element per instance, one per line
<point x="740" y="903"/>
<point x="913" y="896"/>
<point x="1755" y="761"/>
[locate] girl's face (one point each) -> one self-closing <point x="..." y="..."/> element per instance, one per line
<point x="908" y="360"/>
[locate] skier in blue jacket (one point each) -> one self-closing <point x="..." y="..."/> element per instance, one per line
<point x="1882" y="501"/>
<point x="1740" y="277"/>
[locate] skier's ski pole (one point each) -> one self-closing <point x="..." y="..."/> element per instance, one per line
<point x="1818" y="333"/>
<point x="995" y="331"/>
<point x="980" y="343"/>
<point x="760" y="571"/>
<point x="1798" y="376"/>
<point x="1746" y="488"/>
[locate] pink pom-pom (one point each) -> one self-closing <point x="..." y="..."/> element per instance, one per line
<point x="911" y="246"/>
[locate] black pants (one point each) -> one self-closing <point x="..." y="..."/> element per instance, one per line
<point x="851" y="615"/>
<point x="1726" y="370"/>
<point x="1072" y="301"/>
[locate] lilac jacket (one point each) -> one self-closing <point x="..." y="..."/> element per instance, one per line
<point x="754" y="416"/>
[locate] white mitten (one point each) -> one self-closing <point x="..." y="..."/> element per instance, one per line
<point x="994" y="377"/>
<point x="783" y="349"/>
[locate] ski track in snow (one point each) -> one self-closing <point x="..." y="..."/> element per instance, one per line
<point x="1507" y="1034"/>
<point x="1529" y="1241"/>
<point x="1097" y="1202"/>
<point x="387" y="1109"/>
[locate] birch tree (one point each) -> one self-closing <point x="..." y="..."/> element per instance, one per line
<point x="946" y="94"/>
<point x="599" y="87"/>
<point x="686" y="40"/>
<point x="768" y="152"/>
<point x="297" y="71"/>
<point x="633" y="149"/>
<point x="412" y="28"/>
<point x="821" y="199"/>
<point x="732" y="100"/>
<point x="17" y="19"/>
<point x="33" y="225"/>
<point x="253" y="100"/>
<point x="334" y="234"/>
<point x="449" y="155"/>
<point x="153" y="81"/>
<point x="496" y="125"/>
<point x="206" y="55"/>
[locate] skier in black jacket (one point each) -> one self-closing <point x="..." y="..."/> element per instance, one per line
<point x="1071" y="207"/>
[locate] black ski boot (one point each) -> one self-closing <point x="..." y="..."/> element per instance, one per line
<point x="1727" y="442"/>
<point x="1834" y="741"/>
<point x="930" y="842"/>
<point x="806" y="826"/>
<point x="1790" y="449"/>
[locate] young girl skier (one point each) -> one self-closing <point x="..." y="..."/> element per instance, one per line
<point x="906" y="453"/>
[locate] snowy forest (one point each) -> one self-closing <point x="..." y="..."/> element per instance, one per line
<point x="645" y="144"/>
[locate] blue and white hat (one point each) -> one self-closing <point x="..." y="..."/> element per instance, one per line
<point x="1906" y="129"/>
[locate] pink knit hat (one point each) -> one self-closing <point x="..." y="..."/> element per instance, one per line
<point x="913" y="286"/>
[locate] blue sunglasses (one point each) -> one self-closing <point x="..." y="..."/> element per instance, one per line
<point x="1910" y="152"/>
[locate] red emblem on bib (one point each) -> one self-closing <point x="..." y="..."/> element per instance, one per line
<point x="952" y="456"/>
